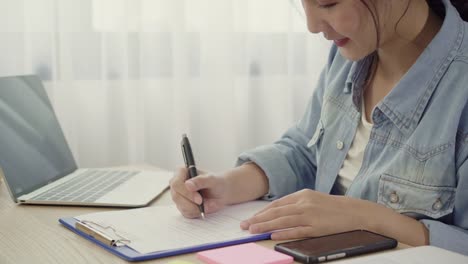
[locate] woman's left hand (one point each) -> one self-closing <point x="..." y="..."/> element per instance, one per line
<point x="309" y="213"/>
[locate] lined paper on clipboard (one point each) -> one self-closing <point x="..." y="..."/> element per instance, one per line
<point x="162" y="228"/>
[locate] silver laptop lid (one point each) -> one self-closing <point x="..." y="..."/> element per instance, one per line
<point x="33" y="149"/>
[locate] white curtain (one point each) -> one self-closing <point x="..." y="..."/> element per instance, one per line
<point x="128" y="77"/>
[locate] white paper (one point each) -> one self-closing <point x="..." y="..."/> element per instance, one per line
<point x="160" y="228"/>
<point x="414" y="255"/>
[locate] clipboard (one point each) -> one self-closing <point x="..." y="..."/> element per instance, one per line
<point x="129" y="254"/>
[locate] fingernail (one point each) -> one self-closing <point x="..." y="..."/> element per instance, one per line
<point x="197" y="199"/>
<point x="253" y="229"/>
<point x="244" y="225"/>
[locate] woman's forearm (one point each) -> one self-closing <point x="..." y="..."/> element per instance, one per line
<point x="385" y="221"/>
<point x="247" y="182"/>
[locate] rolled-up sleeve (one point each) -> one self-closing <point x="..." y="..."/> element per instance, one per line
<point x="288" y="163"/>
<point x="447" y="236"/>
<point x="453" y="236"/>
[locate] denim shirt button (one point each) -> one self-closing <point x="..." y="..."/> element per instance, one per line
<point x="339" y="144"/>
<point x="437" y="205"/>
<point x="394" y="197"/>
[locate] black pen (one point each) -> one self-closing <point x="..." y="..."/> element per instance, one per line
<point x="190" y="164"/>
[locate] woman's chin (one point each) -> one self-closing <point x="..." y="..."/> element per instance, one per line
<point x="351" y="55"/>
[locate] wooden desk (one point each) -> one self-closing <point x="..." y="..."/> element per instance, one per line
<point x="32" y="234"/>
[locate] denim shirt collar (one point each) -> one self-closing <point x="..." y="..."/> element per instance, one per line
<point x="404" y="108"/>
<point x="357" y="77"/>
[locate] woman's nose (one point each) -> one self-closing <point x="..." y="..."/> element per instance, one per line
<point x="315" y="24"/>
<point x="314" y="27"/>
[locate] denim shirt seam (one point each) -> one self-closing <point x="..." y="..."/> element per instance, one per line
<point x="399" y="120"/>
<point x="424" y="99"/>
<point x="462" y="141"/>
<point x="391" y="178"/>
<point x="425" y="212"/>
<point x="461" y="58"/>
<point x="420" y="156"/>
<point x="462" y="146"/>
<point x="341" y="106"/>
<point x="357" y="78"/>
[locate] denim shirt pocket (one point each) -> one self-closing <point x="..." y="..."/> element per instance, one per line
<point x="317" y="135"/>
<point x="414" y="198"/>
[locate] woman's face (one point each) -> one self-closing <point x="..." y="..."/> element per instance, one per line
<point x="346" y="22"/>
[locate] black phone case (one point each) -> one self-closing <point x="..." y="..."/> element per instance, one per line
<point x="385" y="243"/>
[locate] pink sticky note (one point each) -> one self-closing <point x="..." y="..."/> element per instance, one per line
<point x="250" y="253"/>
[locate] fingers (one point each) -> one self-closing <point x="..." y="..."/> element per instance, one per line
<point x="286" y="200"/>
<point x="284" y="222"/>
<point x="273" y="218"/>
<point x="185" y="200"/>
<point x="213" y="205"/>
<point x="177" y="184"/>
<point x="186" y="207"/>
<point x="195" y="195"/>
<point x="200" y="182"/>
<point x="186" y="193"/>
<point x="294" y="233"/>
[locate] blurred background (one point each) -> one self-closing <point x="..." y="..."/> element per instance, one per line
<point x="128" y="77"/>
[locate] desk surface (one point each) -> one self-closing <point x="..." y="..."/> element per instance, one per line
<point x="32" y="234"/>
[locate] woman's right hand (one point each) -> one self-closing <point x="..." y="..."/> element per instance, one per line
<point x="186" y="196"/>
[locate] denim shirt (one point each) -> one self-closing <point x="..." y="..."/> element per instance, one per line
<point x="416" y="159"/>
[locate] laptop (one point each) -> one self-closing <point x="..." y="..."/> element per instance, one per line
<point x="38" y="166"/>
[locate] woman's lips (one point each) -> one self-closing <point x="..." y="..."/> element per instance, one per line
<point x="341" y="42"/>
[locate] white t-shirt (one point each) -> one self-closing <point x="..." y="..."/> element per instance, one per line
<point x="353" y="161"/>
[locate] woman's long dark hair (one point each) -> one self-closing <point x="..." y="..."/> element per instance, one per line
<point x="436" y="5"/>
<point x="439" y="9"/>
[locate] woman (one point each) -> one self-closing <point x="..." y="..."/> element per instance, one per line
<point x="383" y="145"/>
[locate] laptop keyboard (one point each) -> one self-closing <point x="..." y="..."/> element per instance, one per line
<point x="87" y="186"/>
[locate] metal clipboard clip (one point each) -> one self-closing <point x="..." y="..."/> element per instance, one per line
<point x="87" y="228"/>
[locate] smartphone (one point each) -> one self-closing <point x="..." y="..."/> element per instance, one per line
<point x="336" y="246"/>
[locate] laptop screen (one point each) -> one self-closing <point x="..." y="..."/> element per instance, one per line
<point x="33" y="149"/>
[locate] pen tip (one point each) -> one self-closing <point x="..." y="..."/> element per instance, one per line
<point x="203" y="215"/>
